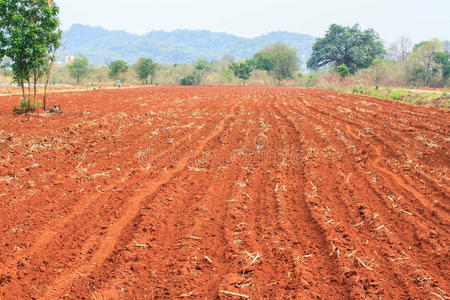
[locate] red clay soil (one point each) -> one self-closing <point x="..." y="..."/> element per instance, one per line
<point x="224" y="192"/>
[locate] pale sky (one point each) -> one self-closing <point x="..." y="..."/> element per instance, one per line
<point x="417" y="19"/>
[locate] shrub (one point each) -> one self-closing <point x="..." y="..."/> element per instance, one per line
<point x="359" y="90"/>
<point x="343" y="70"/>
<point x="25" y="106"/>
<point x="188" y="80"/>
<point x="395" y="95"/>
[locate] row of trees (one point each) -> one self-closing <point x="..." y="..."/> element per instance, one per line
<point x="349" y="50"/>
<point x="144" y="68"/>
<point x="428" y="64"/>
<point x="343" y="50"/>
<point x="424" y="64"/>
<point x="279" y="61"/>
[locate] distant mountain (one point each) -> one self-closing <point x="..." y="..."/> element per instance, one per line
<point x="179" y="46"/>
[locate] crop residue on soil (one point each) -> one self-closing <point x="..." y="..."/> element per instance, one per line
<point x="224" y="192"/>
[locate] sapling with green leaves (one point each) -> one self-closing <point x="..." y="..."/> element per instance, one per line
<point x="29" y="37"/>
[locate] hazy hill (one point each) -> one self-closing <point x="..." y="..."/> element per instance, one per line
<point x="180" y="46"/>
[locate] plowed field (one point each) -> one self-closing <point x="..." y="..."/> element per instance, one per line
<point x="224" y="192"/>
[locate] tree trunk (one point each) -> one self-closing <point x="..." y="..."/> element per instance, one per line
<point x="48" y="79"/>
<point x="29" y="92"/>
<point x="35" y="88"/>
<point x="23" y="90"/>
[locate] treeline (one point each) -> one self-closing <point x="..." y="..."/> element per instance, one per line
<point x="343" y="55"/>
<point x="361" y="54"/>
<point x="30" y="37"/>
<point x="273" y="64"/>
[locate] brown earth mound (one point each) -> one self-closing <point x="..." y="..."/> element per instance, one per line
<point x="224" y="192"/>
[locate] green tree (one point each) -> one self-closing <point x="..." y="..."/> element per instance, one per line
<point x="346" y="45"/>
<point x="227" y="74"/>
<point x="202" y="65"/>
<point x="443" y="60"/>
<point x="201" y="68"/>
<point x="279" y="60"/>
<point x="264" y="60"/>
<point x="242" y="70"/>
<point x="286" y="62"/>
<point x="190" y="79"/>
<point x="117" y="68"/>
<point x="422" y="67"/>
<point x="145" y="67"/>
<point x="79" y="68"/>
<point x="29" y="37"/>
<point x="343" y="70"/>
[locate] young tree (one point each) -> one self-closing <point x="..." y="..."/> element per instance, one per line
<point x="29" y="37"/>
<point x="286" y="62"/>
<point x="346" y="45"/>
<point x="242" y="70"/>
<point x="342" y="70"/>
<point x="117" y="68"/>
<point x="79" y="68"/>
<point x="145" y="67"/>
<point x="279" y="60"/>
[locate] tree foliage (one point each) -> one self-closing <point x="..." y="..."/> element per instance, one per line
<point x="286" y="61"/>
<point x="117" y="68"/>
<point x="422" y="66"/>
<point x="342" y="70"/>
<point x="79" y="68"/>
<point x="145" y="67"/>
<point x="242" y="70"/>
<point x="443" y="60"/>
<point x="201" y="68"/>
<point x="29" y="37"/>
<point x="201" y="65"/>
<point x="191" y="79"/>
<point x="279" y="60"/>
<point x="346" y="45"/>
<point x="264" y="60"/>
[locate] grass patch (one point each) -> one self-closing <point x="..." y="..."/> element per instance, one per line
<point x="417" y="97"/>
